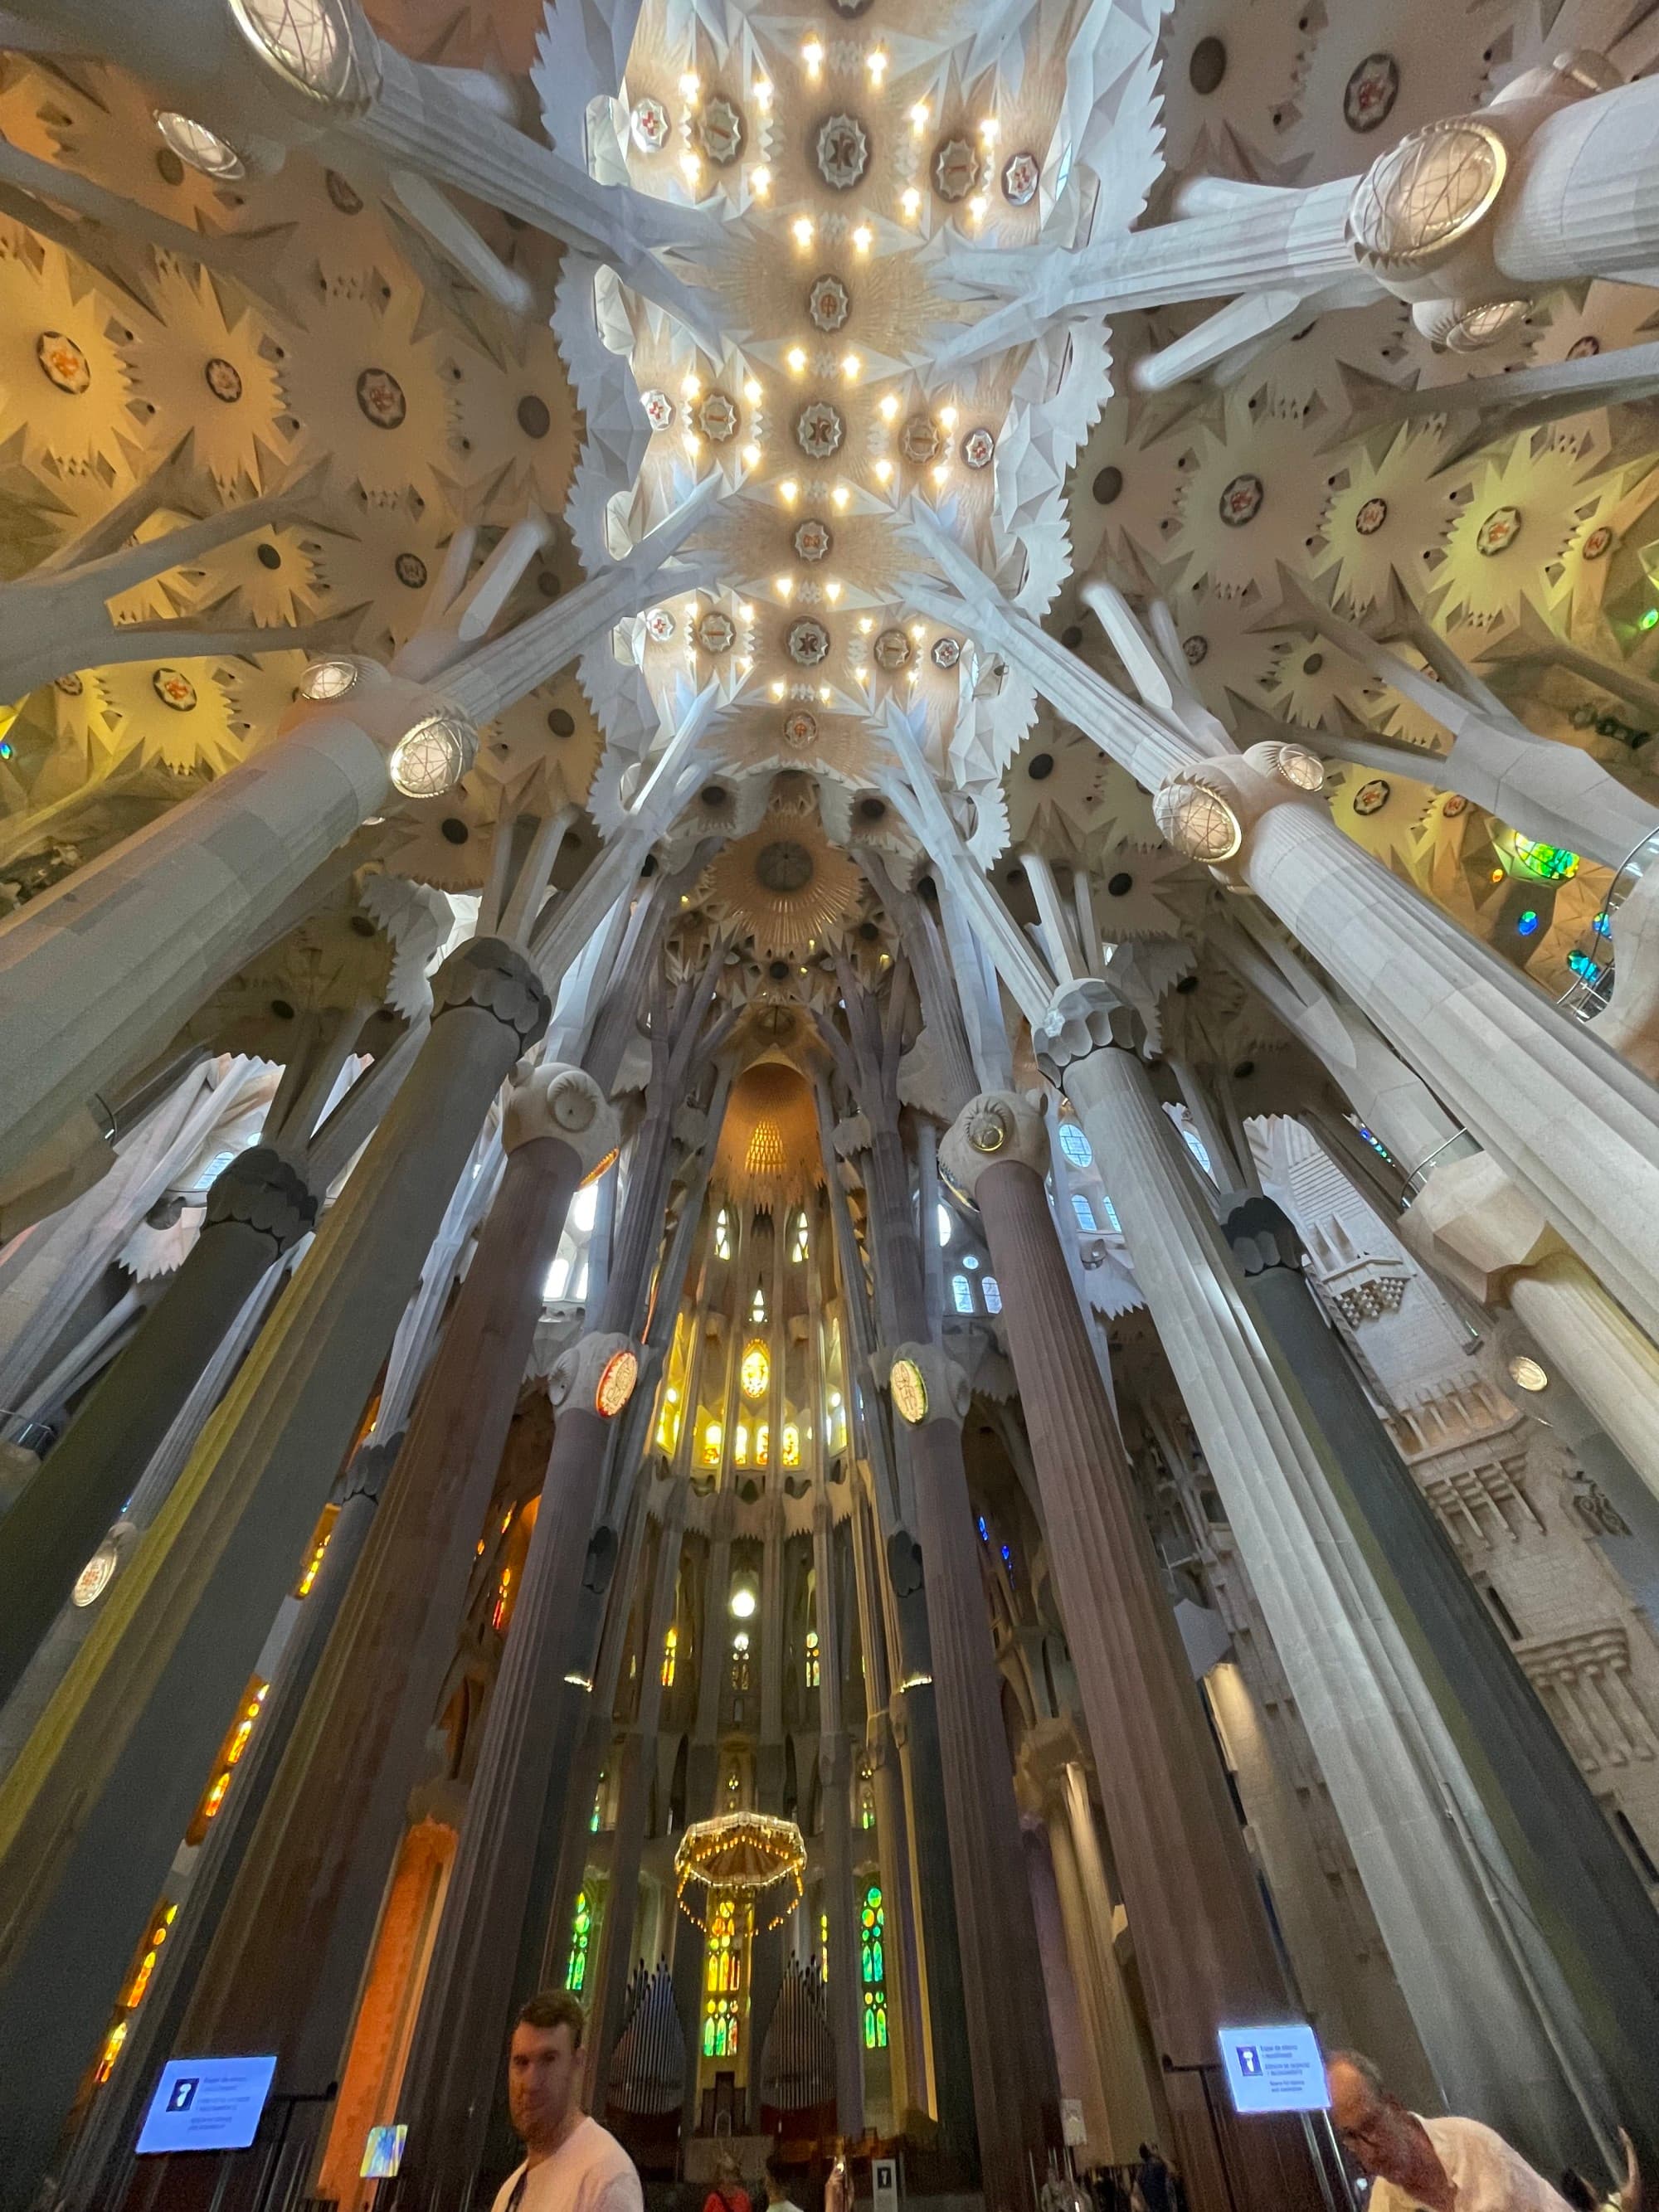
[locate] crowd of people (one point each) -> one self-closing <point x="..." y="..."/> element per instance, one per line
<point x="1413" y="2164"/>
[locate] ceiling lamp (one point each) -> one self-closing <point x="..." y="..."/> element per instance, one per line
<point x="317" y="46"/>
<point x="199" y="148"/>
<point x="744" y="1601"/>
<point x="1527" y="1373"/>
<point x="328" y="679"/>
<point x="749" y="1856"/>
<point x="1419" y="202"/>
<point x="432" y="758"/>
<point x="1197" y="821"/>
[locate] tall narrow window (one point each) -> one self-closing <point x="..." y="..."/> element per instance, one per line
<point x="1083" y="1211"/>
<point x="962" y="1294"/>
<point x="755" y="1369"/>
<point x="722" y="1982"/>
<point x="671" y="1656"/>
<point x="812" y="1659"/>
<point x="942" y="1222"/>
<point x="757" y="1305"/>
<point x="866" y="1802"/>
<point x="992" y="1291"/>
<point x="710" y="1454"/>
<point x="824" y="1945"/>
<point x="722" y="1235"/>
<point x="1112" y="1221"/>
<point x="791" y="1444"/>
<point x="797" y="1250"/>
<point x="597" y="1815"/>
<point x="740" y="1660"/>
<point x="872" y="1968"/>
<point x="582" y="1931"/>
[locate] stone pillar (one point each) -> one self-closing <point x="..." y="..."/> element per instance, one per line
<point x="1392" y="1767"/>
<point x="1016" y="2095"/>
<point x="835" y="1782"/>
<point x="257" y="1209"/>
<point x="1581" y="1892"/>
<point x="1201" y="1930"/>
<point x="91" y="1815"/>
<point x="311" y="1883"/>
<point x="1075" y="2054"/>
<point x="1134" y="2102"/>
<point x="456" y="2058"/>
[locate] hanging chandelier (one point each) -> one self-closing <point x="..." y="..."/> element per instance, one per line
<point x="740" y="1855"/>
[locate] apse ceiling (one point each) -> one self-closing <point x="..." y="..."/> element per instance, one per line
<point x="845" y="158"/>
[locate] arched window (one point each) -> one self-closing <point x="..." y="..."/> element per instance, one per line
<point x="992" y="1291"/>
<point x="791" y="1445"/>
<point x="671" y="1656"/>
<point x="837" y="1421"/>
<point x="581" y="1932"/>
<point x="962" y="1294"/>
<point x="722" y="1235"/>
<point x="812" y="1659"/>
<point x="756" y="1370"/>
<point x="722" y="1982"/>
<point x="710" y="1454"/>
<point x="942" y="1220"/>
<point x="597" y="1815"/>
<point x="872" y="1968"/>
<point x="1112" y="1221"/>
<point x="1075" y="1145"/>
<point x="740" y="1660"/>
<point x="740" y="1445"/>
<point x="757" y="1305"/>
<point x="866" y="1802"/>
<point x="1198" y="1148"/>
<point x="762" y="1442"/>
<point x="797" y="1250"/>
<point x="1083" y="1211"/>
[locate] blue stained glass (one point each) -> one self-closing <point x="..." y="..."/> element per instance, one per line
<point x="1075" y="1145"/>
<point x="1528" y="924"/>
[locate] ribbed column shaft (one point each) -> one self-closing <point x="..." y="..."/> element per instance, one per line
<point x="834" y="1778"/>
<point x="91" y="1815"/>
<point x="1611" y="1364"/>
<point x="1201" y="1930"/>
<point x="311" y="1882"/>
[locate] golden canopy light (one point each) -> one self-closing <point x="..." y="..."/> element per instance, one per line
<point x="768" y="1153"/>
<point x="740" y="1855"/>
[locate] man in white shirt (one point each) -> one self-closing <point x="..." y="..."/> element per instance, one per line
<point x="571" y="2163"/>
<point x="1438" y="2165"/>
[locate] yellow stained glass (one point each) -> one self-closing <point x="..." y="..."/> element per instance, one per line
<point x="756" y="1372"/>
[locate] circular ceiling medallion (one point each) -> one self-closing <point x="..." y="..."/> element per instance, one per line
<point x="1195" y="649"/>
<point x="1107" y="485"/>
<point x="659" y="410"/>
<point x="829" y="303"/>
<point x="1197" y="821"/>
<point x="616" y="1384"/>
<point x="561" y="722"/>
<point x="812" y="539"/>
<point x="343" y="193"/>
<point x="717" y="418"/>
<point x="224" y="380"/>
<point x="1020" y="179"/>
<point x="1241" y="502"/>
<point x="1206" y="66"/>
<point x="1370" y="515"/>
<point x="1597" y="543"/>
<point x="1584" y="348"/>
<point x="410" y="571"/>
<point x="809" y="643"/>
<point x="95" y="1577"/>
<point x="1368" y="96"/>
<point x="380" y="397"/>
<point x="650" y="125"/>
<point x="785" y="866"/>
<point x="818" y="430"/>
<point x="660" y="626"/>
<point x="70" y="685"/>
<point x="919" y="440"/>
<point x="1452" y="805"/>
<point x="174" y="689"/>
<point x="947" y="651"/>
<point x="956" y="169"/>
<point x="1498" y="532"/>
<point x="62" y="363"/>
<point x="977" y="448"/>
<point x="535" y="418"/>
<point x="1372" y="797"/>
<point x="800" y="730"/>
<point x="720" y="131"/>
<point x="844" y="152"/>
<point x="717" y="632"/>
<point x="892" y="651"/>
<point x="909" y="1391"/>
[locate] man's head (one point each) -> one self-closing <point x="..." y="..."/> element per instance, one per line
<point x="777" y="2181"/>
<point x="543" y="2067"/>
<point x="1379" y="2133"/>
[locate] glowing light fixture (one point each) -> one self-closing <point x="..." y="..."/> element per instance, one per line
<point x="911" y="202"/>
<point x="1526" y="1373"/>
<point x="197" y="147"/>
<point x="432" y="758"/>
<point x="796" y="358"/>
<point x="760" y="181"/>
<point x="801" y="230"/>
<point x="863" y="237"/>
<point x="616" y="1383"/>
<point x="328" y="679"/>
<point x="851" y="367"/>
<point x="909" y="1391"/>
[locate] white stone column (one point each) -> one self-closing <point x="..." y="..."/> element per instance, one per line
<point x="1433" y="1868"/>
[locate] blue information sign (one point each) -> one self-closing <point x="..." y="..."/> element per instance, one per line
<point x="206" y="2104"/>
<point x="1276" y="2069"/>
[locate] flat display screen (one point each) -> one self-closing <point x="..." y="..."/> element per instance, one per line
<point x="206" y="2104"/>
<point x="1277" y="2069"/>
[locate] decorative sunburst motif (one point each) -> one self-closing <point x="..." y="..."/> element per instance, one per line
<point x="1511" y="530"/>
<point x="219" y="376"/>
<point x="180" y="712"/>
<point x="784" y="886"/>
<point x="1247" y="498"/>
<point x="384" y="388"/>
<point x="1384" y="513"/>
<point x="63" y="376"/>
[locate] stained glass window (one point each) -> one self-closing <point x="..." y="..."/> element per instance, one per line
<point x="756" y="1372"/>
<point x="824" y="1945"/>
<point x="740" y="1660"/>
<point x="670" y="1657"/>
<point x="799" y="1249"/>
<point x="992" y="1291"/>
<point x="722" y="1235"/>
<point x="710" y="1454"/>
<point x="581" y="1930"/>
<point x="1083" y="1211"/>
<point x="812" y="1659"/>
<point x="1075" y="1145"/>
<point x="962" y="1294"/>
<point x="722" y="1982"/>
<point x="757" y="1305"/>
<point x="594" y="1817"/>
<point x="1112" y="1221"/>
<point x="1198" y="1148"/>
<point x="872" y="1968"/>
<point x="791" y="1445"/>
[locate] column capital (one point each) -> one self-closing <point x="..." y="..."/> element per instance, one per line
<point x="1208" y="810"/>
<point x="1263" y="1236"/>
<point x="493" y="975"/>
<point x="264" y="1192"/>
<point x="924" y="1384"/>
<point x="1472" y="1225"/>
<point x="1084" y="1017"/>
<point x="995" y="1127"/>
<point x="596" y="1374"/>
<point x="559" y="1100"/>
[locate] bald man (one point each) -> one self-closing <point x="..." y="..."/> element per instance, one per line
<point x="1427" y="2166"/>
